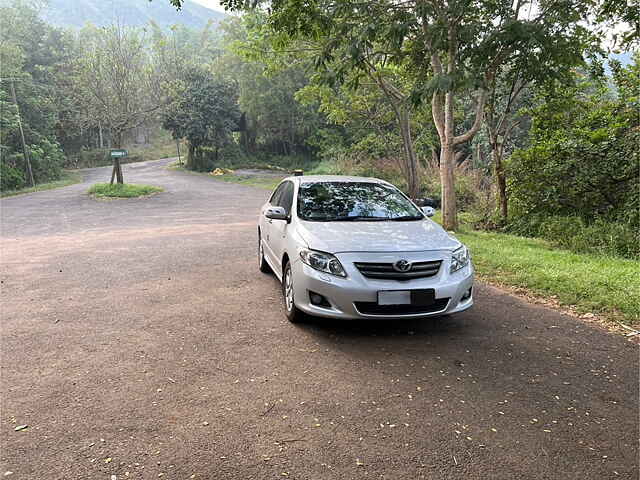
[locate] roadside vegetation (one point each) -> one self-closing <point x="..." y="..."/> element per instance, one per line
<point x="67" y="177"/>
<point x="122" y="190"/>
<point x="588" y="283"/>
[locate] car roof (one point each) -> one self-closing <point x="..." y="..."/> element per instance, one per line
<point x="334" y="178"/>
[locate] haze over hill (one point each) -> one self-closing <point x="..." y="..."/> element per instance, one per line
<point x="76" y="13"/>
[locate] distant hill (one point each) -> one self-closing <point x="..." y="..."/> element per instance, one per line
<point x="76" y="13"/>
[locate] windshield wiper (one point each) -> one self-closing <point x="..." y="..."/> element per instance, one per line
<point x="406" y="217"/>
<point x="356" y="218"/>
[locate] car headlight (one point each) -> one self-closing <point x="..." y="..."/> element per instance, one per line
<point x="323" y="262"/>
<point x="459" y="258"/>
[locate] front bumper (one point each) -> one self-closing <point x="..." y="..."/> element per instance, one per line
<point x="344" y="294"/>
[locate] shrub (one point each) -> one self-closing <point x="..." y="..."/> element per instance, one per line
<point x="122" y="190"/>
<point x="11" y="178"/>
<point x="601" y="236"/>
<point x="46" y="161"/>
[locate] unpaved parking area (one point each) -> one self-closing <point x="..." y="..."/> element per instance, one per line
<point x="139" y="340"/>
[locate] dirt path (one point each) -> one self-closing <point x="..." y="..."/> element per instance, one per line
<point x="139" y="340"/>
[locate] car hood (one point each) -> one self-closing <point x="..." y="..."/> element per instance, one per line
<point x="410" y="236"/>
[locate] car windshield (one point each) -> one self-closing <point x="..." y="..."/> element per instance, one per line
<point x="354" y="201"/>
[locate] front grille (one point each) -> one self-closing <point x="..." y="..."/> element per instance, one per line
<point x="385" y="271"/>
<point x="372" y="308"/>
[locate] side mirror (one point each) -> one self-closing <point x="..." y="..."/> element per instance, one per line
<point x="276" y="213"/>
<point x="429" y="211"/>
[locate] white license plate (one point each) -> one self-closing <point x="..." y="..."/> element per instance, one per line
<point x="396" y="297"/>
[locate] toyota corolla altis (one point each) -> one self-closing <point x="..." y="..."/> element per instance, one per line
<point x="352" y="247"/>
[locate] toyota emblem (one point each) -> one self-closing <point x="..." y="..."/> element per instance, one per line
<point x="402" y="266"/>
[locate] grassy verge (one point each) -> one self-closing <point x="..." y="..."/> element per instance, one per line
<point x="587" y="283"/>
<point x="156" y="151"/>
<point x="123" y="190"/>
<point x="68" y="178"/>
<point x="266" y="182"/>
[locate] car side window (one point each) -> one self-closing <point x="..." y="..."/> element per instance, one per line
<point x="286" y="199"/>
<point x="275" y="197"/>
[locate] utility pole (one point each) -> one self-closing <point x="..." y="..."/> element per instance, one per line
<point x="24" y="144"/>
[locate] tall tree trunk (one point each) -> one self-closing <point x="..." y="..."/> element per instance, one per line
<point x="501" y="180"/>
<point x="442" y="109"/>
<point x="100" y="136"/>
<point x="447" y="182"/>
<point x="402" y="110"/>
<point x="411" y="162"/>
<point x="447" y="165"/>
<point x="25" y="150"/>
<point x="191" y="156"/>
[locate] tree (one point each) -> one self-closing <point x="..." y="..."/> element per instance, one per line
<point x="275" y="123"/>
<point x="583" y="159"/>
<point x="32" y="56"/>
<point x="118" y="81"/>
<point x="502" y="118"/>
<point x="205" y="112"/>
<point x="450" y="49"/>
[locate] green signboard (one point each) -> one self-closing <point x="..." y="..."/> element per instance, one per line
<point x="119" y="153"/>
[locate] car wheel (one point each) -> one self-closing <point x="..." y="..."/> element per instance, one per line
<point x="294" y="315"/>
<point x="262" y="263"/>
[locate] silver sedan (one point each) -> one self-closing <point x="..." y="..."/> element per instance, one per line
<point x="352" y="247"/>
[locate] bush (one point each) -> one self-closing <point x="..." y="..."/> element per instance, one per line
<point x="582" y="159"/>
<point x="602" y="236"/>
<point x="46" y="164"/>
<point x="11" y="178"/>
<point x="46" y="161"/>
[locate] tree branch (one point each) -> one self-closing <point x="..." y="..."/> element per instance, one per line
<point x="465" y="137"/>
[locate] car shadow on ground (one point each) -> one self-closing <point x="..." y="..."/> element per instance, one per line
<point x="429" y="327"/>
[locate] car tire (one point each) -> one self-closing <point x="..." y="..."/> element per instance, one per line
<point x="262" y="262"/>
<point x="294" y="315"/>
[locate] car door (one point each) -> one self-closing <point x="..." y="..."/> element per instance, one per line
<point x="266" y="229"/>
<point x="278" y="228"/>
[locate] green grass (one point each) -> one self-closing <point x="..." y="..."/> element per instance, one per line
<point x="588" y="283"/>
<point x="268" y="183"/>
<point x="163" y="148"/>
<point x="123" y="190"/>
<point x="68" y="178"/>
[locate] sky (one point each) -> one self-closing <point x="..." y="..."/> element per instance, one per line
<point x="213" y="4"/>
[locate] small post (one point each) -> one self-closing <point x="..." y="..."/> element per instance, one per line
<point x="24" y="143"/>
<point x="116" y="155"/>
